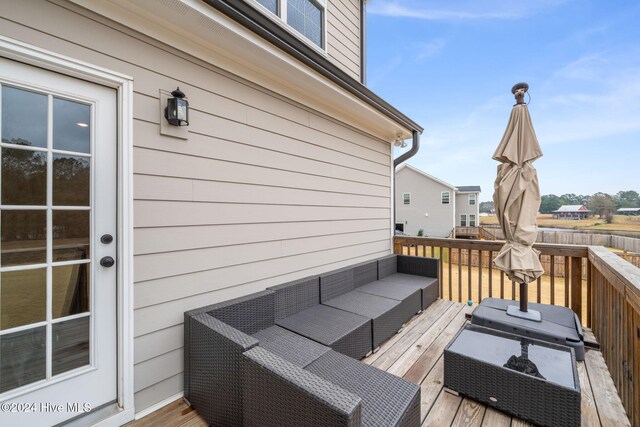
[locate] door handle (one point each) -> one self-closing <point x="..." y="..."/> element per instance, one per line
<point x="107" y="262"/>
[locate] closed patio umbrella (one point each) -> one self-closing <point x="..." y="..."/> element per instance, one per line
<point x="517" y="200"/>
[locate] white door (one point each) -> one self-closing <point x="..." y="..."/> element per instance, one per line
<point x="57" y="212"/>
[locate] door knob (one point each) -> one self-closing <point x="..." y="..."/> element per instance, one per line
<point x="107" y="262"/>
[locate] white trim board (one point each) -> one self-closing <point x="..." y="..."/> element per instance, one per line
<point x="32" y="55"/>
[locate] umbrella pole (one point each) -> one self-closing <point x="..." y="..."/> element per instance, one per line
<point x="524" y="300"/>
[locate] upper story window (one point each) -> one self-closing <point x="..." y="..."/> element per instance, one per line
<point x="306" y="17"/>
<point x="445" y="196"/>
<point x="472" y="199"/>
<point x="406" y="198"/>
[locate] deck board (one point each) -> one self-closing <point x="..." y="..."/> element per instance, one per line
<point x="416" y="354"/>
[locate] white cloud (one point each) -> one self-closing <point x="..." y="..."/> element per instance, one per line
<point x="429" y="49"/>
<point x="593" y="97"/>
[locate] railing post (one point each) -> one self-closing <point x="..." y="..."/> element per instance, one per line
<point x="576" y="286"/>
<point x="397" y="247"/>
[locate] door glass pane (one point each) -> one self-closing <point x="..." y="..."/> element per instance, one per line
<point x="23" y="358"/>
<point x="70" y="345"/>
<point x="71" y="126"/>
<point x="71" y="180"/>
<point x="24" y="177"/>
<point x="24" y="237"/>
<point x="70" y="290"/>
<point x="23" y="297"/>
<point x="70" y="235"/>
<point x="24" y="117"/>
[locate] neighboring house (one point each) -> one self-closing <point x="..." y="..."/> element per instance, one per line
<point x="572" y="212"/>
<point x="628" y="211"/>
<point x="428" y="203"/>
<point x="467" y="205"/>
<point x="114" y="223"/>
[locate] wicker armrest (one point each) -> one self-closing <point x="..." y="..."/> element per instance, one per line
<point x="212" y="371"/>
<point x="295" y="397"/>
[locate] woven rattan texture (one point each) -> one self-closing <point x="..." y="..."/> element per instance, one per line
<point x="364" y="273"/>
<point x="216" y="359"/>
<point x="386" y="399"/>
<point x="292" y="347"/>
<point x="250" y="314"/>
<point x="387" y="266"/>
<point x="296" y="296"/>
<point x="419" y="266"/>
<point x="345" y="332"/>
<point x="539" y="401"/>
<point x="279" y="394"/>
<point x="336" y="283"/>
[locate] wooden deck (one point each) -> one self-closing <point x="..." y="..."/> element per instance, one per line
<point x="416" y="355"/>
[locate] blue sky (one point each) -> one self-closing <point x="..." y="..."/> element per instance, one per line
<point x="450" y="66"/>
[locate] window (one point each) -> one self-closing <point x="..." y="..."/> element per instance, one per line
<point x="472" y="199"/>
<point x="407" y="198"/>
<point x="472" y="220"/>
<point x="445" y="195"/>
<point x="463" y="220"/>
<point x="306" y="17"/>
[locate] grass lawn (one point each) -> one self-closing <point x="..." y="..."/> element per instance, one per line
<point x="620" y="223"/>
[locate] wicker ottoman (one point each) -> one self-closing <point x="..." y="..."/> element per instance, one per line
<point x="531" y="379"/>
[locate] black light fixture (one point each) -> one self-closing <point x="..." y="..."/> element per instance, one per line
<point x="177" y="109"/>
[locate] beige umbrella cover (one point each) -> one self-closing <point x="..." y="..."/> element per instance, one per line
<point x="517" y="198"/>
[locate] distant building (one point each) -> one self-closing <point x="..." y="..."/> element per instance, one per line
<point x="572" y="212"/>
<point x="428" y="203"/>
<point x="628" y="211"/>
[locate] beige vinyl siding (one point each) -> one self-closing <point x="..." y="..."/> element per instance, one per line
<point x="263" y="191"/>
<point x="343" y="35"/>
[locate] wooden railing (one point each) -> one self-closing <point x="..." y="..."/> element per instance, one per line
<point x="601" y="287"/>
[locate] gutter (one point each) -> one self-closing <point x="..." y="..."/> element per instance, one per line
<point x="415" y="146"/>
<point x="247" y="16"/>
<point x="363" y="42"/>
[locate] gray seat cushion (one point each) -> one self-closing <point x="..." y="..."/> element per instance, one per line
<point x="397" y="291"/>
<point x="387" y="314"/>
<point x="427" y="285"/>
<point x="292" y="347"/>
<point x="343" y="331"/>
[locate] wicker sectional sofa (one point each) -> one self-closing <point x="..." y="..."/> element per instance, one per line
<point x="287" y="356"/>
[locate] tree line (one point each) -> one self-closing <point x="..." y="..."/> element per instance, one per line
<point x="601" y="204"/>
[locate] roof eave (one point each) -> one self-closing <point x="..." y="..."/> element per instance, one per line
<point x="249" y="17"/>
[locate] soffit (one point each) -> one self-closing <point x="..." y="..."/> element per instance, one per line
<point x="197" y="29"/>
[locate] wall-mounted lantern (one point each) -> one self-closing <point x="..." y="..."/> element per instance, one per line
<point x="177" y="110"/>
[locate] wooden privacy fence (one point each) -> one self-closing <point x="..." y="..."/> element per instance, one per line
<point x="630" y="244"/>
<point x="601" y="287"/>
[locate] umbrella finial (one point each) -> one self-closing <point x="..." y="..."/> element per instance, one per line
<point x="519" y="90"/>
